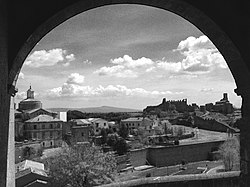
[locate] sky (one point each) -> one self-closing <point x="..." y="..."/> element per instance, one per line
<point x="127" y="56"/>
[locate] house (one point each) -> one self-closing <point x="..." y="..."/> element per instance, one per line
<point x="46" y="128"/>
<point x="97" y="124"/>
<point x="143" y="125"/>
<point x="31" y="173"/>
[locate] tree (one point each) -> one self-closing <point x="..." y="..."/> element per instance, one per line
<point x="121" y="147"/>
<point x="112" y="139"/>
<point x="104" y="135"/>
<point x="123" y="131"/>
<point x="81" y="166"/>
<point x="230" y="151"/>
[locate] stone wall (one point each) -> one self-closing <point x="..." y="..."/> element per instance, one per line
<point x="166" y="156"/>
<point x="138" y="157"/>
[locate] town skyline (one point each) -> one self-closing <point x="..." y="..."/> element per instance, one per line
<point x="91" y="60"/>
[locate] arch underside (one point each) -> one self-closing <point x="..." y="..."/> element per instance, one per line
<point x="188" y="12"/>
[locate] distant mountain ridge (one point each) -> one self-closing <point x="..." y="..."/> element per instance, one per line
<point x="102" y="109"/>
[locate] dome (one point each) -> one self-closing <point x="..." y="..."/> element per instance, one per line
<point x="30" y="102"/>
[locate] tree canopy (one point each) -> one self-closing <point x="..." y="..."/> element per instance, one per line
<point x="81" y="166"/>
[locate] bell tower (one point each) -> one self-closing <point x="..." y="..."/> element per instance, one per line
<point x="30" y="93"/>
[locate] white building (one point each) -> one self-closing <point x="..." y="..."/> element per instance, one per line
<point x="98" y="124"/>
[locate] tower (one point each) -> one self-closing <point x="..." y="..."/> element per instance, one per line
<point x="30" y="93"/>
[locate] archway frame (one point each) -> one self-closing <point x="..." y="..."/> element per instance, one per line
<point x="223" y="43"/>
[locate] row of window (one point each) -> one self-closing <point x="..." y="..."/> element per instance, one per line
<point x="46" y="135"/>
<point x="41" y="126"/>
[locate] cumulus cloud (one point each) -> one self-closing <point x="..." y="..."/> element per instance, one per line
<point x="199" y="56"/>
<point x="49" y="58"/>
<point x="75" y="78"/>
<point x="73" y="88"/>
<point x="20" y="95"/>
<point x="126" y="66"/>
<point x="21" y="75"/>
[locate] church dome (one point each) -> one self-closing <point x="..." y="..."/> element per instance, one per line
<point x="30" y="102"/>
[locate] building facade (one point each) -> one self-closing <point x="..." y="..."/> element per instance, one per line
<point x="45" y="128"/>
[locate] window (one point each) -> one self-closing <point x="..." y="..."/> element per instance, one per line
<point x="43" y="126"/>
<point x="58" y="125"/>
<point x="51" y="143"/>
<point x="43" y="135"/>
<point x="104" y="124"/>
<point x="34" y="127"/>
<point x="43" y="144"/>
<point x="51" y="126"/>
<point x="82" y="134"/>
<point x="51" y="134"/>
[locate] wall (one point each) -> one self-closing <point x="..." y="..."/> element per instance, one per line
<point x="210" y="124"/>
<point x="164" y="156"/>
<point x="138" y="157"/>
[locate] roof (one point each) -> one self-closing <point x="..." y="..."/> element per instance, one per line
<point x="137" y="119"/>
<point x="29" y="100"/>
<point x="81" y="121"/>
<point x="95" y="119"/>
<point x="34" y="110"/>
<point x="43" y="118"/>
<point x="133" y="119"/>
<point x="29" y="164"/>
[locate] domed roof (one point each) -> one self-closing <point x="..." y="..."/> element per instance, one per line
<point x="30" y="102"/>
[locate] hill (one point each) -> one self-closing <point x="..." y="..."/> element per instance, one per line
<point x="102" y="109"/>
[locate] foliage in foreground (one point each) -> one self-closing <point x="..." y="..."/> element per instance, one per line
<point x="230" y="151"/>
<point x="81" y="166"/>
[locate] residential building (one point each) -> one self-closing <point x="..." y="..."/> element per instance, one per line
<point x="46" y="128"/>
<point x="98" y="124"/>
<point x="144" y="125"/>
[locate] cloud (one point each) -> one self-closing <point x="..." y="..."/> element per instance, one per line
<point x="201" y="56"/>
<point x="75" y="78"/>
<point x="87" y="62"/>
<point x="206" y="89"/>
<point x="126" y="67"/>
<point x="73" y="88"/>
<point x="20" y="95"/>
<point x="21" y="75"/>
<point x="48" y="58"/>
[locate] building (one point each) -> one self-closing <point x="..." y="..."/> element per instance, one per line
<point x="144" y="125"/>
<point x="46" y="128"/>
<point x="170" y="105"/>
<point x="31" y="173"/>
<point x="30" y="102"/>
<point x="28" y="108"/>
<point x="222" y="106"/>
<point x="77" y="130"/>
<point x="97" y="124"/>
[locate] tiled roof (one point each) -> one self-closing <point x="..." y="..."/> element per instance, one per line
<point x="82" y="121"/>
<point x="133" y="119"/>
<point x="29" y="164"/>
<point x="43" y="118"/>
<point x="95" y="119"/>
<point x="136" y="119"/>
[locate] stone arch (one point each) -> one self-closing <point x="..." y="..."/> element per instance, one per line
<point x="224" y="44"/>
<point x="196" y="17"/>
